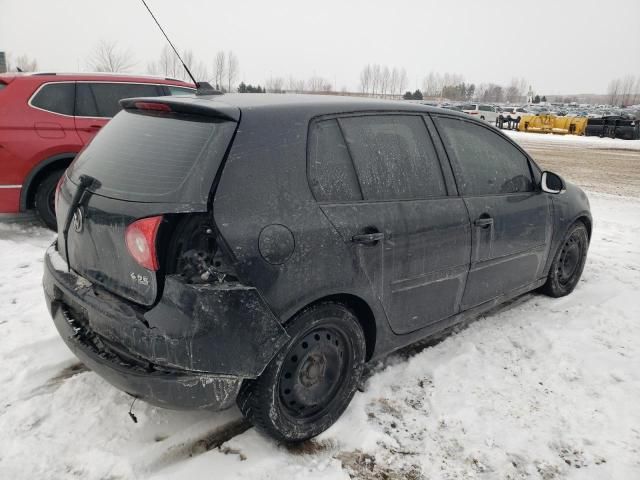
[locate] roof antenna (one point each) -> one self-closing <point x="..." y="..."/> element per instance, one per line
<point x="202" y="88"/>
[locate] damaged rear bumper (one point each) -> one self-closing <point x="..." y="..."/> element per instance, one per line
<point x="192" y="350"/>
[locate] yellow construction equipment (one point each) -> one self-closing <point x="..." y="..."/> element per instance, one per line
<point x="552" y="124"/>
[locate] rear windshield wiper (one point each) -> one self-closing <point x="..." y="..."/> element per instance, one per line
<point x="86" y="181"/>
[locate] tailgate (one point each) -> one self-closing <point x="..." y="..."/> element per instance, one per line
<point x="142" y="164"/>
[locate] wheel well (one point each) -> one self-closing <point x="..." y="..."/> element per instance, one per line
<point x="587" y="223"/>
<point x="363" y="313"/>
<point x="38" y="177"/>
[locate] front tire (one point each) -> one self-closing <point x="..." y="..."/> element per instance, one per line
<point x="311" y="381"/>
<point x="568" y="262"/>
<point x="45" y="198"/>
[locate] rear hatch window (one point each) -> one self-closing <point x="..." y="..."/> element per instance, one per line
<point x="155" y="157"/>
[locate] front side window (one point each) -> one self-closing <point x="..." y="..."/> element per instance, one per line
<point x="102" y="99"/>
<point x="486" y="163"/>
<point x="55" y="97"/>
<point x="331" y="172"/>
<point x="393" y="156"/>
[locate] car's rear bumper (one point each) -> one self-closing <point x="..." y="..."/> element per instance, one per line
<point x="158" y="355"/>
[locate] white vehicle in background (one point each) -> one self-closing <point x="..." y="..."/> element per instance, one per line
<point x="510" y="116"/>
<point x="512" y="113"/>
<point x="488" y="113"/>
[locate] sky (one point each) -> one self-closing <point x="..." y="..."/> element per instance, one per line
<point x="558" y="47"/>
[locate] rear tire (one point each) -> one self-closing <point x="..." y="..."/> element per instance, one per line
<point x="45" y="198"/>
<point x="311" y="381"/>
<point x="568" y="262"/>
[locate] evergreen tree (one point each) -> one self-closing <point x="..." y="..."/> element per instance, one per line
<point x="536" y="99"/>
<point x="544" y="98"/>
<point x="417" y="95"/>
<point x="242" y="88"/>
<point x="408" y="95"/>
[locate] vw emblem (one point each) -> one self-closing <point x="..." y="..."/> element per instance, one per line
<point x="78" y="220"/>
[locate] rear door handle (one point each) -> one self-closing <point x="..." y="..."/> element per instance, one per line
<point x="92" y="128"/>
<point x="483" y="222"/>
<point x="368" y="238"/>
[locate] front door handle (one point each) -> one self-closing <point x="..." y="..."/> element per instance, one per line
<point x="368" y="238"/>
<point x="483" y="222"/>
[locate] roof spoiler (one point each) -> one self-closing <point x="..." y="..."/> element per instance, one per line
<point x="184" y="106"/>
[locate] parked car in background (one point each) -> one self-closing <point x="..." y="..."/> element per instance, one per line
<point x="47" y="118"/>
<point x="512" y="113"/>
<point x="488" y="113"/>
<point x="288" y="241"/>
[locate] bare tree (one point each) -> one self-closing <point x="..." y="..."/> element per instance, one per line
<point x="516" y="90"/>
<point x="232" y="70"/>
<point x="197" y="67"/>
<point x="626" y="90"/>
<point x="108" y="57"/>
<point x="318" y="84"/>
<point x="169" y="65"/>
<point x="295" y="85"/>
<point x="275" y="85"/>
<point x="376" y="78"/>
<point x="403" y="80"/>
<point x="613" y="91"/>
<point x="365" y="79"/>
<point x="24" y="63"/>
<point x="385" y="80"/>
<point x="220" y="69"/>
<point x="636" y="92"/>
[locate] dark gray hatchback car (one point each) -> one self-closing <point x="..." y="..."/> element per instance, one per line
<point x="263" y="248"/>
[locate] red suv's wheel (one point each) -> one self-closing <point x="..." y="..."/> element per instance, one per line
<point x="45" y="198"/>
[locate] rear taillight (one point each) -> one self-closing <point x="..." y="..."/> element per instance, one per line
<point x="57" y="194"/>
<point x="140" y="238"/>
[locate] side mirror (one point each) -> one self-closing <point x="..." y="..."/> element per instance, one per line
<point x="552" y="183"/>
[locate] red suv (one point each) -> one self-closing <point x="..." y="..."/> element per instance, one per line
<point x="47" y="118"/>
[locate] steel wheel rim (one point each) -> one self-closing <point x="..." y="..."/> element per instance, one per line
<point x="570" y="259"/>
<point x="313" y="372"/>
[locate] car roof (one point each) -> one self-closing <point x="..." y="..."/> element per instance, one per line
<point x="304" y="104"/>
<point x="43" y="77"/>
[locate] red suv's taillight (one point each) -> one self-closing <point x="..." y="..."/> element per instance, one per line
<point x="140" y="238"/>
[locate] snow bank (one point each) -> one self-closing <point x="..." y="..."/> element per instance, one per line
<point x="541" y="388"/>
<point x="574" y="140"/>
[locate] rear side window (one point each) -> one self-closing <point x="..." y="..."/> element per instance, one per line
<point x="180" y="90"/>
<point x="55" y="97"/>
<point x="102" y="99"/>
<point x="331" y="173"/>
<point x="486" y="163"/>
<point x="393" y="157"/>
<point x="153" y="157"/>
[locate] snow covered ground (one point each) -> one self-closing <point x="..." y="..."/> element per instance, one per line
<point x="574" y="140"/>
<point x="541" y="388"/>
